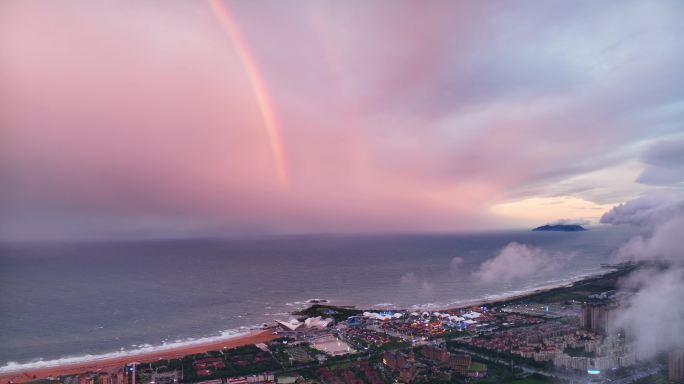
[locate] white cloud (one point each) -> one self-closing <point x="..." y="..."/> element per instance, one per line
<point x="427" y="287"/>
<point x="661" y="218"/>
<point x="421" y="286"/>
<point x="665" y="244"/>
<point x="649" y="210"/>
<point x="653" y="317"/>
<point x="455" y="263"/>
<point x="515" y="261"/>
<point x="409" y="278"/>
<point x="570" y="222"/>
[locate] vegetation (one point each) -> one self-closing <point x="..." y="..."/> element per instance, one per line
<point x="501" y="355"/>
<point x="337" y="313"/>
<point x="577" y="291"/>
<point x="239" y="361"/>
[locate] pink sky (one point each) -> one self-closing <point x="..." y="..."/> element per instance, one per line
<point x="142" y="118"/>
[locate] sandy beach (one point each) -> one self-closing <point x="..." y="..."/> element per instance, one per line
<point x="114" y="363"/>
<point x="257" y="336"/>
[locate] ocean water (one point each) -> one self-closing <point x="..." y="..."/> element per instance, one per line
<point x="70" y="299"/>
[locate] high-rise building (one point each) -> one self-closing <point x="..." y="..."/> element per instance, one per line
<point x="675" y="365"/>
<point x="594" y="316"/>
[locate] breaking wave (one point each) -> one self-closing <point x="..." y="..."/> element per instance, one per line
<point x="142" y="349"/>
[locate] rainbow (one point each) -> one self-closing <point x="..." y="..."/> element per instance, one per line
<point x="263" y="100"/>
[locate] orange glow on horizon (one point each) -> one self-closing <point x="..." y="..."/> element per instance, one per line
<point x="546" y="209"/>
<point x="263" y="100"/>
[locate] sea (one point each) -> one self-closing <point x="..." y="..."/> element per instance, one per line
<point x="68" y="301"/>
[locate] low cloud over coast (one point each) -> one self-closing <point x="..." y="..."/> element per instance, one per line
<point x="654" y="316"/>
<point x="516" y="261"/>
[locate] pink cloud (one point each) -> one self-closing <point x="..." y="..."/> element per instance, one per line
<point x="393" y="118"/>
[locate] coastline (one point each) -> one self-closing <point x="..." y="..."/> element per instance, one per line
<point x="96" y="364"/>
<point x="513" y="297"/>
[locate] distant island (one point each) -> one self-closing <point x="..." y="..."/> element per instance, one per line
<point x="561" y="228"/>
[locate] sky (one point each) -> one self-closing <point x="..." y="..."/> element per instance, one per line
<point x="177" y="118"/>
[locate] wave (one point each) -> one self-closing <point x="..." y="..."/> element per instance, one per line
<point x="306" y="303"/>
<point x="317" y="301"/>
<point x="13" y="367"/>
<point x="546" y="285"/>
<point x="285" y="314"/>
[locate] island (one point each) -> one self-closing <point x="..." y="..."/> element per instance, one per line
<point x="561" y="228"/>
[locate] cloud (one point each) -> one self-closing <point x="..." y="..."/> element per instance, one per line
<point x="455" y="263"/>
<point x="515" y="261"/>
<point x="421" y="286"/>
<point x="570" y="222"/>
<point x="647" y="211"/>
<point x="654" y="316"/>
<point x="666" y="243"/>
<point x="660" y="218"/>
<point x="664" y="163"/>
<point x="409" y="120"/>
<point x="409" y="278"/>
<point x="426" y="287"/>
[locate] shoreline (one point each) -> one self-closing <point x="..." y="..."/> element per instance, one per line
<point x="96" y="364"/>
<point x="107" y="363"/>
<point x="533" y="292"/>
<point x="521" y="295"/>
<point x="613" y="272"/>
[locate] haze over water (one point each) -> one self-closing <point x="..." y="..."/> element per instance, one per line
<point x="71" y="299"/>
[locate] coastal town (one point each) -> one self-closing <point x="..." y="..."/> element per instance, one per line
<point x="554" y="336"/>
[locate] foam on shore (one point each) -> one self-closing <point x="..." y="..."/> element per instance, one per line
<point x="509" y="295"/>
<point x="144" y="349"/>
<point x="14" y="367"/>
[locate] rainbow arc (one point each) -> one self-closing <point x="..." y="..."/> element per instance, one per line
<point x="263" y="100"/>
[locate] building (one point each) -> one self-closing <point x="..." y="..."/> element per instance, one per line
<point x="458" y="363"/>
<point x="396" y="359"/>
<point x="603" y="363"/>
<point x="104" y="378"/>
<point x="477" y="370"/>
<point x="355" y="321"/>
<point x="263" y="378"/>
<point x="436" y="353"/>
<point x="168" y="377"/>
<point x="404" y="364"/>
<point x="675" y="365"/>
<point x="86" y="379"/>
<point x="579" y="363"/>
<point x="295" y="327"/>
<point x="119" y="377"/>
<point x="594" y="316"/>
